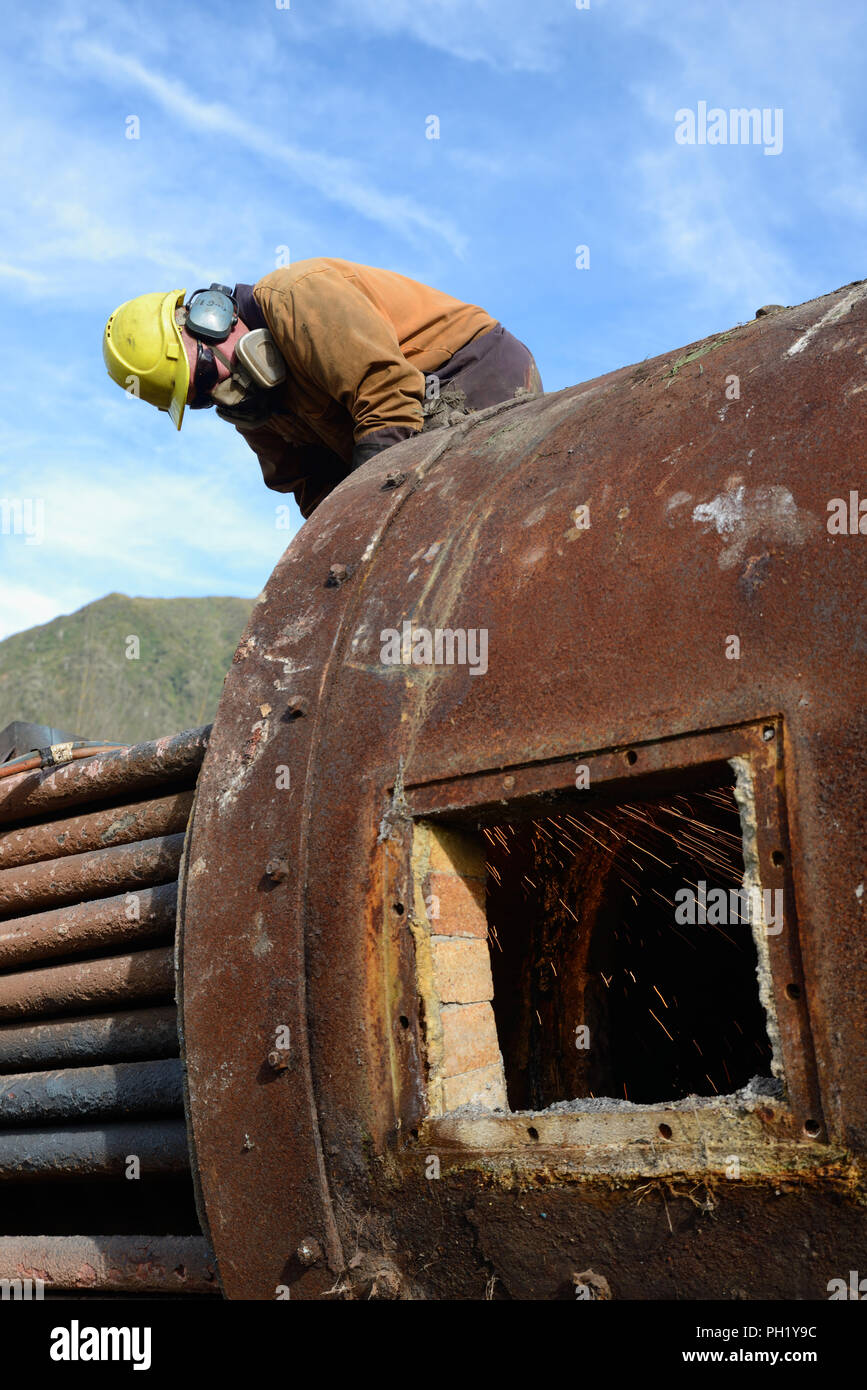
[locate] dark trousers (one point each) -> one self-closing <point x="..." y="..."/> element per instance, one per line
<point x="492" y="368"/>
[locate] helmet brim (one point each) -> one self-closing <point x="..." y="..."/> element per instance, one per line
<point x="181" y="387"/>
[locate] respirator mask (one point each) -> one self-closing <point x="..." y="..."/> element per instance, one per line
<point x="256" y="364"/>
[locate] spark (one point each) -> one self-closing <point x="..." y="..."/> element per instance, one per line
<point x="661" y="1024"/>
<point x="659" y="995"/>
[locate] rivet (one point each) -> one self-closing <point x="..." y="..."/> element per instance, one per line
<point x="393" y="479"/>
<point x="296" y="708"/>
<point x="337" y="575"/>
<point x="309" y="1252"/>
<point x="508" y="783"/>
<point x="278" y="1060"/>
<point x="277" y="869"/>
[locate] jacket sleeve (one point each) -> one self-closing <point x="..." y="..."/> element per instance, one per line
<point x="308" y="471"/>
<point x="330" y="332"/>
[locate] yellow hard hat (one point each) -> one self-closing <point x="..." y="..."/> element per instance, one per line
<point x="144" y="351"/>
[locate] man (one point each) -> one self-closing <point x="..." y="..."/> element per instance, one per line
<point x="320" y="366"/>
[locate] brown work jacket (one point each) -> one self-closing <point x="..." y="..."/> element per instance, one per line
<point x="358" y="343"/>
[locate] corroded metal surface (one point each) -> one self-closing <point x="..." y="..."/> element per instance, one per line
<point x="90" y="1083"/>
<point x="119" y="825"/>
<point x="89" y="926"/>
<point x="122" y="774"/>
<point x="85" y="1093"/>
<point x="119" y="1264"/>
<point x="120" y="868"/>
<point x="94" y="1151"/>
<point x="70" y="1042"/>
<point x="610" y="539"/>
<point x="83" y="985"/>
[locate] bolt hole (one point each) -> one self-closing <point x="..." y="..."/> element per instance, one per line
<point x="533" y="1133"/>
<point x="631" y="756"/>
<point x="180" y="1271"/>
<point x="414" y="1133"/>
<point x="778" y="859"/>
<point x="398" y="907"/>
<point x="768" y="732"/>
<point x="812" y="1127"/>
<point x="665" y="1131"/>
<point x="404" y="1021"/>
<point x="793" y="991"/>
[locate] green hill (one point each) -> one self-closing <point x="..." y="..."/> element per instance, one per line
<point x="74" y="673"/>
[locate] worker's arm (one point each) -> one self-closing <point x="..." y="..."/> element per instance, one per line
<point x="330" y="333"/>
<point x="309" y="471"/>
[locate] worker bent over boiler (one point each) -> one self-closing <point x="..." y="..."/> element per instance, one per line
<point x="320" y="366"/>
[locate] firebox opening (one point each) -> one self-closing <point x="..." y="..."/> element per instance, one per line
<point x="618" y="970"/>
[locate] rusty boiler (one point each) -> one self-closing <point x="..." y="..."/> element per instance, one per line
<point x="520" y="944"/>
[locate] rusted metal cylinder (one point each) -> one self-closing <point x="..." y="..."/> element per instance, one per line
<point x="666" y="565"/>
<point x="95" y="1151"/>
<point x="120" y="921"/>
<point x="117" y="1037"/>
<point x="119" y="1264"/>
<point x="117" y="1091"/>
<point x="94" y="830"/>
<point x="124" y="868"/>
<point x="89" y="984"/>
<point x="142" y="768"/>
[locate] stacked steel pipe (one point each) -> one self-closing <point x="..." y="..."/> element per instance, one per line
<point x="90" y="1076"/>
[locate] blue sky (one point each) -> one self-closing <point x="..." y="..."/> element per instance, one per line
<point x="265" y="127"/>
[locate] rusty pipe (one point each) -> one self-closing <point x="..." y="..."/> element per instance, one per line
<point x="135" y="1033"/>
<point x="115" y="825"/>
<point x="89" y="984"/>
<point x="119" y="921"/>
<point x="95" y="1151"/>
<point x="30" y="761"/>
<point x="120" y="1264"/>
<point x="89" y="1093"/>
<point x="91" y="875"/>
<point x="104" y="776"/>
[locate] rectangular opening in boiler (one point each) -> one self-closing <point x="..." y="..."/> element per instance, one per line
<point x="622" y="950"/>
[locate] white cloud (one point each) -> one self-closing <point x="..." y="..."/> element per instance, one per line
<point x="22" y="606"/>
<point x="694" y="229"/>
<point x="509" y="34"/>
<point x="336" y="179"/>
<point x="18" y="272"/>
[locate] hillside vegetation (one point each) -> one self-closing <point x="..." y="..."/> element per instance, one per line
<point x="74" y="672"/>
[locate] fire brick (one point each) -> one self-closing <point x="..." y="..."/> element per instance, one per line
<point x="454" y="853"/>
<point x="483" y="1087"/>
<point x="469" y="1038"/>
<point x="458" y="906"/>
<point x="462" y="971"/>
